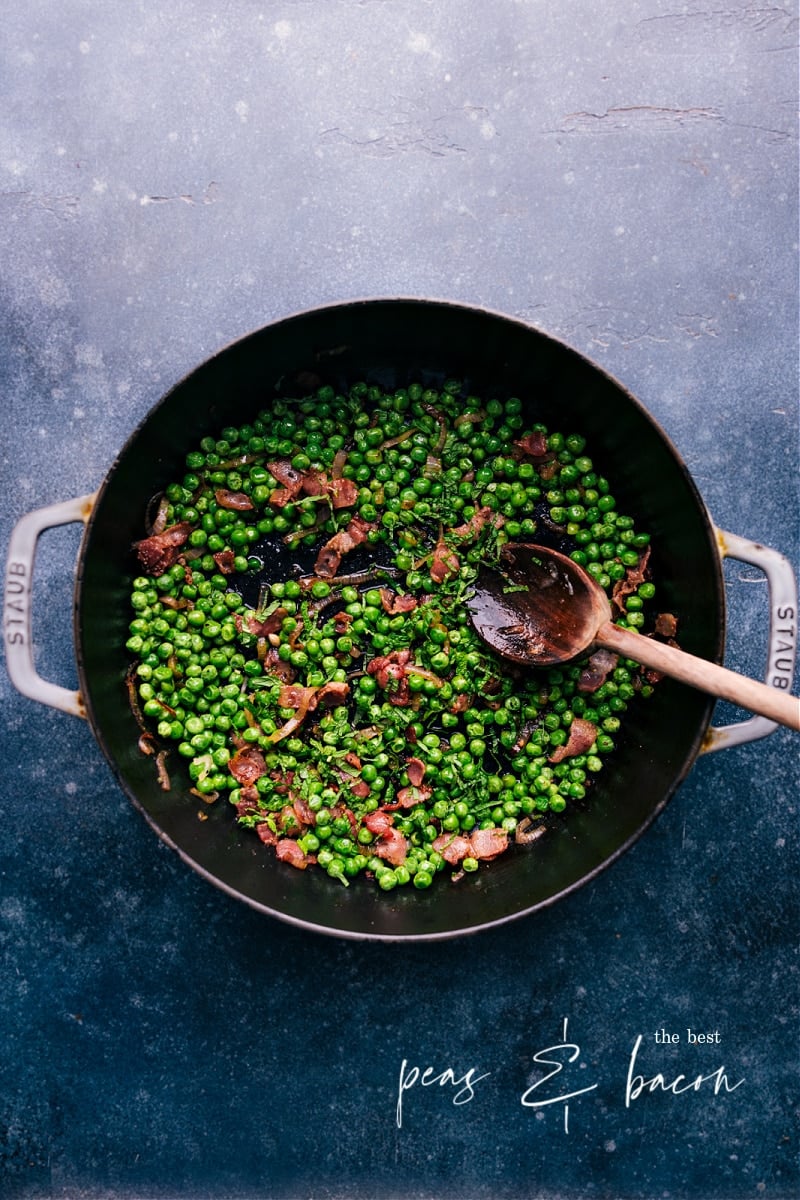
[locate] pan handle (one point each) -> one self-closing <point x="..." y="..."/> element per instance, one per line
<point x="782" y="644"/>
<point x="17" y="608"/>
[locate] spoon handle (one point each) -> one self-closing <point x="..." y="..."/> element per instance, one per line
<point x="697" y="672"/>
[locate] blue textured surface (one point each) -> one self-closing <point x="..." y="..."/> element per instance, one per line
<point x="623" y="176"/>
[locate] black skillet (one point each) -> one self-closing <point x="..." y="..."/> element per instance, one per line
<point x="394" y="342"/>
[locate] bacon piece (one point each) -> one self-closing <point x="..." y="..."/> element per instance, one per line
<point x="666" y="625"/>
<point x="461" y="703"/>
<point x="294" y="695"/>
<point x="225" y="561"/>
<point x="313" y="483"/>
<point x="360" y="789"/>
<point x="277" y="667"/>
<point x="452" y="847"/>
<point x="261" y="626"/>
<point x="330" y="555"/>
<point x="415" y="769"/>
<point x="379" y="822"/>
<point x="247" y="765"/>
<point x="487" y="843"/>
<point x="391" y="673"/>
<point x="268" y="836"/>
<point x="342" y="622"/>
<point x="333" y="693"/>
<point x="289" y="822"/>
<point x="282" y="780"/>
<point x="393" y="604"/>
<point x="288" y="851"/>
<point x="248" y="801"/>
<point x="535" y="446"/>
<point x="634" y="576"/>
<point x="582" y="735"/>
<point x="301" y="810"/>
<point x="160" y="551"/>
<point x="173" y="602"/>
<point x="597" y="669"/>
<point x="290" y="477"/>
<point x="392" y="845"/>
<point x="237" y="501"/>
<point x="444" y="563"/>
<point x="342" y="493"/>
<point x="476" y="522"/>
<point x="410" y="796"/>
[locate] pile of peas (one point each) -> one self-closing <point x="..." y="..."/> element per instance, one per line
<point x="424" y="461"/>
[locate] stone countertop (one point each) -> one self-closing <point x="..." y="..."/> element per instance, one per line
<point x="622" y="176"/>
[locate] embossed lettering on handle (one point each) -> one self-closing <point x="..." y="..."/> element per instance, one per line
<point x="782" y="634"/>
<point x="17" y="606"/>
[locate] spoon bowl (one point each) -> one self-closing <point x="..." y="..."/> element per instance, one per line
<point x="541" y="608"/>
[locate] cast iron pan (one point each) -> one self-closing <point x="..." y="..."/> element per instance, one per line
<point x="395" y="342"/>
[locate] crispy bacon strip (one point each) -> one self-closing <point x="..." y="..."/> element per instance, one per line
<point x="236" y="501"/>
<point x="391" y="673"/>
<point x="392" y="603"/>
<point x="409" y="797"/>
<point x="289" y="852"/>
<point x="391" y="845"/>
<point x="535" y="446"/>
<point x="330" y="556"/>
<point x="482" y="843"/>
<point x="582" y="735"/>
<point x="634" y="576"/>
<point x="276" y="666"/>
<point x="597" y="669"/>
<point x="477" y="521"/>
<point x="666" y="625"/>
<point x="247" y="765"/>
<point x="294" y="695"/>
<point x="343" y="493"/>
<point x="333" y="693"/>
<point x="261" y="626"/>
<point x="290" y="477"/>
<point x="160" y="551"/>
<point x="248" y="800"/>
<point x="444" y="563"/>
<point x="225" y="561"/>
<point x="452" y="847"/>
<point x="342" y="622"/>
<point x="488" y="843"/>
<point x="415" y="768"/>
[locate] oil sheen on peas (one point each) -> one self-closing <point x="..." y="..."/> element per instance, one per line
<point x="305" y="649"/>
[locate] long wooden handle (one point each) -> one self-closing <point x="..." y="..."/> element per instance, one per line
<point x="708" y="677"/>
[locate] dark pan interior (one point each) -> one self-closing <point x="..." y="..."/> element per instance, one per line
<point x="394" y="342"/>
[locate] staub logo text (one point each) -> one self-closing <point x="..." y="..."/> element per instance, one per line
<point x="16" y="603"/>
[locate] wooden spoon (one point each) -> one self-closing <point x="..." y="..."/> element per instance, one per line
<point x="541" y="608"/>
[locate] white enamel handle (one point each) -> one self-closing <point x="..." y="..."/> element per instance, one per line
<point x="782" y="634"/>
<point x="17" y="607"/>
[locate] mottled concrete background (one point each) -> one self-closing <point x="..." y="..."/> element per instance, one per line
<point x="622" y="175"/>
